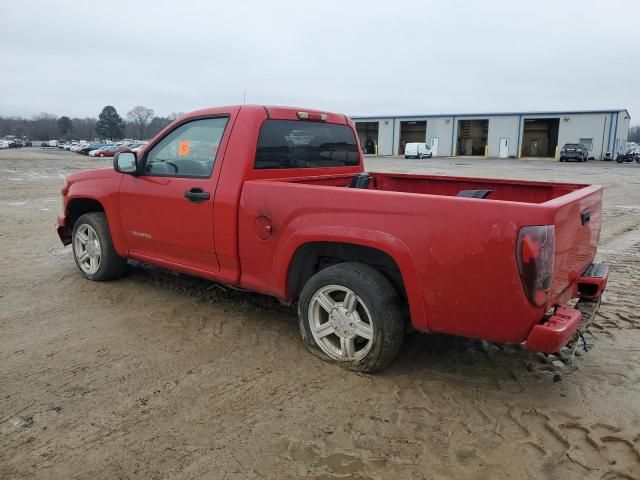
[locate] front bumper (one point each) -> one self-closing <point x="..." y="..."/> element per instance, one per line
<point x="559" y="328"/>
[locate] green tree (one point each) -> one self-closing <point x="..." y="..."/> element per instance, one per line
<point x="65" y="126"/>
<point x="110" y="124"/>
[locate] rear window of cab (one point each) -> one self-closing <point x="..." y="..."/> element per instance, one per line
<point x="303" y="144"/>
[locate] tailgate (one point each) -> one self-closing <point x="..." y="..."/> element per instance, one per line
<point x="577" y="221"/>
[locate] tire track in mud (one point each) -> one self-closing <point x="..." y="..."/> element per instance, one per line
<point x="392" y="443"/>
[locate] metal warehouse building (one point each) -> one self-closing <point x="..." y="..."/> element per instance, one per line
<point x="504" y="135"/>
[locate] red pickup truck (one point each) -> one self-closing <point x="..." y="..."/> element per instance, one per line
<point x="275" y="200"/>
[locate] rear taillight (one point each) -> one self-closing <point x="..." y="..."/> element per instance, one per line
<point x="535" y="250"/>
<point x="322" y="117"/>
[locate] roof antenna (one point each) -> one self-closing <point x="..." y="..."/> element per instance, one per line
<point x="244" y="97"/>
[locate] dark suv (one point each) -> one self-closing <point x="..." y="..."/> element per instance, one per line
<point x="573" y="151"/>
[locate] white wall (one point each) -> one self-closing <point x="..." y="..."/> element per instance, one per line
<point x="623" y="132"/>
<point x="503" y="127"/>
<point x="441" y="128"/>
<point x="573" y="127"/>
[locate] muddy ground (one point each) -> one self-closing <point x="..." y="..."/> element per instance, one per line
<point x="161" y="376"/>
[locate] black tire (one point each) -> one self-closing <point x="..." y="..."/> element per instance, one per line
<point x="111" y="265"/>
<point x="382" y="302"/>
<point x="406" y="157"/>
<point x="619" y="160"/>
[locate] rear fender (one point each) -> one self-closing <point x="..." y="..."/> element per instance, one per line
<point x="384" y="242"/>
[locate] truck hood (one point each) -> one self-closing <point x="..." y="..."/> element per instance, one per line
<point x="92" y="174"/>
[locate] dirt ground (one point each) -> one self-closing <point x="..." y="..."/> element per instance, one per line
<point x="161" y="376"/>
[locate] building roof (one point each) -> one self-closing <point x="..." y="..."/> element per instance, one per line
<point x="491" y="114"/>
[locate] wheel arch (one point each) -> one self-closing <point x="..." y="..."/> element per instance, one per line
<point x="78" y="205"/>
<point x="312" y="251"/>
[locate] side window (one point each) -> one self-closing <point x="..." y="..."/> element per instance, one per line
<point x="188" y="151"/>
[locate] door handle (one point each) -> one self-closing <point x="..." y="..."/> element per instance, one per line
<point x="197" y="195"/>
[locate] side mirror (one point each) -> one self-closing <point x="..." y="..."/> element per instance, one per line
<point x="125" y="162"/>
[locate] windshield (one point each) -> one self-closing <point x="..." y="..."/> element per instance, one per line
<point x="298" y="144"/>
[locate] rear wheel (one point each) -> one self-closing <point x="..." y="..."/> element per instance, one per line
<point x="93" y="249"/>
<point x="350" y="314"/>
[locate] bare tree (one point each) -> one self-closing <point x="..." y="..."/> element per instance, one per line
<point x="140" y="116"/>
<point x="173" y="115"/>
<point x="84" y="128"/>
<point x="45" y="126"/>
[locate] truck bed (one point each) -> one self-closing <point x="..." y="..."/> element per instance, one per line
<point x="460" y="252"/>
<point x="504" y="190"/>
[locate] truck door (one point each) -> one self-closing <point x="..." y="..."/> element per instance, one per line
<point x="166" y="210"/>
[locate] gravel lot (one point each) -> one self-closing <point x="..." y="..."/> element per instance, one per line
<point x="159" y="375"/>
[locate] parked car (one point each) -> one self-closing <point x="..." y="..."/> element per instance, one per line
<point x="365" y="256"/>
<point x="417" y="150"/>
<point x="84" y="150"/>
<point x="78" y="147"/>
<point x="4" y="144"/>
<point x="109" y="151"/>
<point x="137" y="148"/>
<point x="573" y="152"/>
<point x="93" y="153"/>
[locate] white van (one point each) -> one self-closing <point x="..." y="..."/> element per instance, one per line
<point x="4" y="144"/>
<point x="417" y="150"/>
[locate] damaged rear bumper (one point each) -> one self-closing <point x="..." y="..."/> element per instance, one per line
<point x="559" y="328"/>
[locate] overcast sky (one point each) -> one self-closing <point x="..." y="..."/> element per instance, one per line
<point x="356" y="57"/>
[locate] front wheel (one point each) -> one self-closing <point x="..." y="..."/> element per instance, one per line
<point x="93" y="249"/>
<point x="350" y="314"/>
